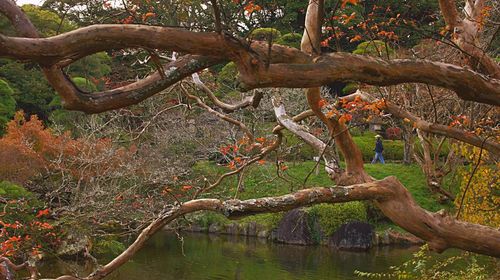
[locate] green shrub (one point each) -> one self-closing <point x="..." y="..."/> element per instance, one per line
<point x="332" y="216"/>
<point x="269" y="220"/>
<point x="109" y="246"/>
<point x="374" y="48"/>
<point x="84" y="84"/>
<point x="7" y="105"/>
<point x="12" y="191"/>
<point x="290" y="39"/>
<point x="393" y="149"/>
<point x="262" y="34"/>
<point x="227" y="78"/>
<point x="426" y="266"/>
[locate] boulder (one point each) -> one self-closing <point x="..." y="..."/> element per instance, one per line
<point x="232" y="229"/>
<point x="74" y="244"/>
<point x="356" y="236"/>
<point x="298" y="227"/>
<point x="196" y="228"/>
<point x="263" y="234"/>
<point x="214" y="228"/>
<point x="390" y="237"/>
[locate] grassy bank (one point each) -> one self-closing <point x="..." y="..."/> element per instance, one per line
<point x="262" y="181"/>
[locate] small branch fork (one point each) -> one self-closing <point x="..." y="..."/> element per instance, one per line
<point x="466" y="33"/>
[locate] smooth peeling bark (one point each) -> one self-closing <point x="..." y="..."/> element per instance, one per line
<point x="332" y="167"/>
<point x="102" y="37"/>
<point x="310" y="44"/>
<point x="311" y="37"/>
<point x="441" y="231"/>
<point x="466" y="33"/>
<point x="74" y="99"/>
<point x="468" y="85"/>
<point x="97" y="102"/>
<point x="355" y="172"/>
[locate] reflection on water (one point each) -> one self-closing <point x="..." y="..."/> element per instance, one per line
<point x="202" y="256"/>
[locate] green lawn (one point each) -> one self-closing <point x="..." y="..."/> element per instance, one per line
<point x="262" y="181"/>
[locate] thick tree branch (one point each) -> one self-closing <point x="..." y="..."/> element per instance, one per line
<point x="311" y="38"/>
<point x="332" y="167"/>
<point x="101" y="37"/>
<point x="310" y="44"/>
<point x="450" y="13"/>
<point x="468" y="85"/>
<point x="74" y="99"/>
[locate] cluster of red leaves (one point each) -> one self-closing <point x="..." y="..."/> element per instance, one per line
<point x="459" y="120"/>
<point x="251" y="7"/>
<point x="344" y="110"/>
<point x="137" y="11"/>
<point x="238" y="154"/>
<point x="28" y="149"/>
<point x="32" y="235"/>
<point x="485" y="13"/>
<point x="352" y="2"/>
<point x="366" y="28"/>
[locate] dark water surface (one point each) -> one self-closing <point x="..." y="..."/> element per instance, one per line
<point x="202" y="256"/>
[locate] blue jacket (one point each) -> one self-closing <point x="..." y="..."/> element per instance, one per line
<point x="378" y="146"/>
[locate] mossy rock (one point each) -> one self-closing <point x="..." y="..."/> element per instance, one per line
<point x="332" y="216"/>
<point x="108" y="245"/>
<point x="290" y="39"/>
<point x="262" y="34"/>
<point x="350" y="88"/>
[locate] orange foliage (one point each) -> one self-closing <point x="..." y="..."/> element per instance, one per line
<point x="28" y="149"/>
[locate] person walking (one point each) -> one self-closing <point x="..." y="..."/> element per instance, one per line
<point x="379" y="148"/>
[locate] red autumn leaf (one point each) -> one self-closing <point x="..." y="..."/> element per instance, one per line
<point x="355" y="38"/>
<point x="322" y="103"/>
<point x="352" y="2"/>
<point x="42" y="213"/>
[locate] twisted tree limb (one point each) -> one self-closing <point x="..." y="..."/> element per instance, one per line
<point x="287" y="66"/>
<point x="466" y="32"/>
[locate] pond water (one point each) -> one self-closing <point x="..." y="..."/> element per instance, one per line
<point x="201" y="256"/>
